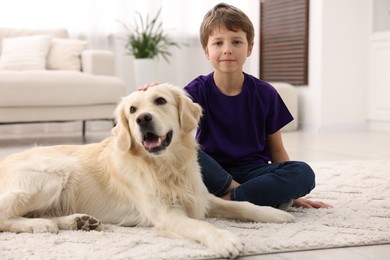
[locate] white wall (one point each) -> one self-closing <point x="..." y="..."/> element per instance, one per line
<point x="335" y="98"/>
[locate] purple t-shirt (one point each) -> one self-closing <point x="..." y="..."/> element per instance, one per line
<point x="233" y="129"/>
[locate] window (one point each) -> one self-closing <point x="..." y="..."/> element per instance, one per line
<point x="284" y="41"/>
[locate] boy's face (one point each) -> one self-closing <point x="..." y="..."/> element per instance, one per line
<point x="228" y="50"/>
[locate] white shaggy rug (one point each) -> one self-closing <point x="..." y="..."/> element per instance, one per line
<point x="358" y="190"/>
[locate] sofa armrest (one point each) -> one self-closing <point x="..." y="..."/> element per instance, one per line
<point x="289" y="94"/>
<point x="98" y="62"/>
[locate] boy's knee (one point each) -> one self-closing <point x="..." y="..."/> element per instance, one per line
<point x="304" y="176"/>
<point x="308" y="175"/>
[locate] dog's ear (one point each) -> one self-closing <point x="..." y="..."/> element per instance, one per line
<point x="189" y="112"/>
<point x="122" y="131"/>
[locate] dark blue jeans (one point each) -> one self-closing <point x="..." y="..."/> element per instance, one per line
<point x="261" y="184"/>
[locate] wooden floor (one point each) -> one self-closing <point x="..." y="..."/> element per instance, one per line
<point x="304" y="146"/>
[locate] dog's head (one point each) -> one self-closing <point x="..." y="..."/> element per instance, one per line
<point x="154" y="118"/>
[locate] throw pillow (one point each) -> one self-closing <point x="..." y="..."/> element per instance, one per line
<point x="25" y="52"/>
<point x="64" y="54"/>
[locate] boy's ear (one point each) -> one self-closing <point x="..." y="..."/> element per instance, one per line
<point x="206" y="53"/>
<point x="250" y="48"/>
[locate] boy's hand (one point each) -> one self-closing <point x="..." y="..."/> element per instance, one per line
<point x="146" y="86"/>
<point x="305" y="203"/>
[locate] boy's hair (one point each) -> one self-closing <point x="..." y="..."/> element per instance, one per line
<point x="224" y="14"/>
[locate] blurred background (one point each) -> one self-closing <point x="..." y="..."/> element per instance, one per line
<point x="348" y="49"/>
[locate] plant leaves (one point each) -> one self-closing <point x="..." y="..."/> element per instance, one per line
<point x="147" y="39"/>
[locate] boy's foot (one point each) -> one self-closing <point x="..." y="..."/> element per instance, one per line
<point x="285" y="205"/>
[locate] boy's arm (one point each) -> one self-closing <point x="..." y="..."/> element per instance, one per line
<point x="276" y="147"/>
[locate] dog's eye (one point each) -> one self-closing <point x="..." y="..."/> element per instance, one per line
<point x="133" y="109"/>
<point x="160" y="101"/>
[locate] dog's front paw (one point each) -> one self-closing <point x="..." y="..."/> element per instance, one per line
<point x="78" y="222"/>
<point x="273" y="215"/>
<point x="87" y="223"/>
<point x="225" y="244"/>
<point x="284" y="217"/>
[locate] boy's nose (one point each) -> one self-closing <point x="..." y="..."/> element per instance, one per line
<point x="227" y="49"/>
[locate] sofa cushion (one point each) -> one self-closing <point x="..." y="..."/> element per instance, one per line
<point x="25" y="53"/>
<point x="57" y="88"/>
<point x="14" y="32"/>
<point x="65" y="54"/>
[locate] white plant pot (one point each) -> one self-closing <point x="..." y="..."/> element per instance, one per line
<point x="145" y="71"/>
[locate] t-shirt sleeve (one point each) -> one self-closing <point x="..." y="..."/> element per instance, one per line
<point x="190" y="91"/>
<point x="194" y="90"/>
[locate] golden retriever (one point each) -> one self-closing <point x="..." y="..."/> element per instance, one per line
<point x="145" y="174"/>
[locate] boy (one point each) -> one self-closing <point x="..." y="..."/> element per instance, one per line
<point x="242" y="155"/>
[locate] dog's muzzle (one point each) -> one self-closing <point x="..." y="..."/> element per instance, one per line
<point x="152" y="142"/>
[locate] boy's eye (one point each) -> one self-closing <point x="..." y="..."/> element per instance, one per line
<point x="236" y="42"/>
<point x="218" y="43"/>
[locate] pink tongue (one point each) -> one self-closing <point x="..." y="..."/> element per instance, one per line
<point x="152" y="144"/>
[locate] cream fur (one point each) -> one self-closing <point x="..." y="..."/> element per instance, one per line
<point x="118" y="181"/>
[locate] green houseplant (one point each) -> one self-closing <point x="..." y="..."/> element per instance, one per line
<point x="146" y="38"/>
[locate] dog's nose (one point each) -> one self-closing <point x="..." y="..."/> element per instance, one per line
<point x="144" y="118"/>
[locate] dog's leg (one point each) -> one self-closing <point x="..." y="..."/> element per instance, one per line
<point x="78" y="222"/>
<point x="36" y="187"/>
<point x="29" y="225"/>
<point x="12" y="207"/>
<point x="175" y="222"/>
<point x="246" y="211"/>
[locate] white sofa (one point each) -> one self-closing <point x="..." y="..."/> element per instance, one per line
<point x="289" y="94"/>
<point x="76" y="84"/>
